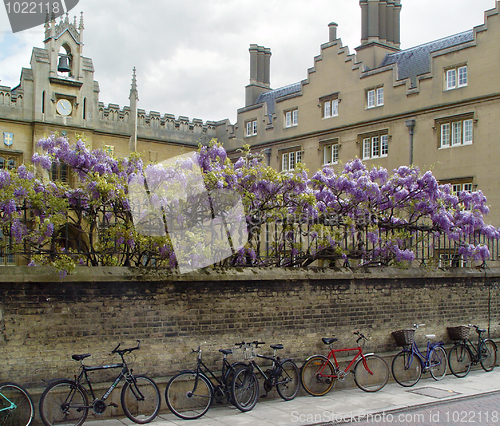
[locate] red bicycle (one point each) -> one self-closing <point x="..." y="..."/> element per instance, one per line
<point x="318" y="373"/>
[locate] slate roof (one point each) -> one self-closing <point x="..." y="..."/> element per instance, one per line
<point x="417" y="60"/>
<point x="271" y="96"/>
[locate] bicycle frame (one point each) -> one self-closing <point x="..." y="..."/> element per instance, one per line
<point x="424" y="359"/>
<point x="12" y="405"/>
<point x="331" y="354"/>
<point x="124" y="374"/>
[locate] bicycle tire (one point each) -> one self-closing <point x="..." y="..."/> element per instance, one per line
<point x="187" y="397"/>
<point x="288" y="381"/>
<point x="460" y="360"/>
<point x="406" y="368"/>
<point x="140" y="399"/>
<point x="64" y="401"/>
<point x="22" y="411"/>
<point x="245" y="388"/>
<point x="312" y="375"/>
<point x="438" y="365"/>
<point x="373" y="379"/>
<point x="488" y="353"/>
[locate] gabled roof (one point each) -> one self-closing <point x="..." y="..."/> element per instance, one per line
<point x="271" y="96"/>
<point x="417" y="60"/>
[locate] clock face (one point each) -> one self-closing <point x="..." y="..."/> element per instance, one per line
<point x="64" y="107"/>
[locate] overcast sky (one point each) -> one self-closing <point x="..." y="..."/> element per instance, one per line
<point x="192" y="56"/>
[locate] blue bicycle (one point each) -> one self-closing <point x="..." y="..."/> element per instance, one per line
<point x="16" y="406"/>
<point x="409" y="364"/>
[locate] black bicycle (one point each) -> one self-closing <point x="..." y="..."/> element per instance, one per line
<point x="283" y="375"/>
<point x="464" y="354"/>
<point x="190" y="393"/>
<point x="66" y="401"/>
<point x="16" y="405"/>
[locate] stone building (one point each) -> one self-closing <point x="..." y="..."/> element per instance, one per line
<point x="435" y="105"/>
<point x="58" y="93"/>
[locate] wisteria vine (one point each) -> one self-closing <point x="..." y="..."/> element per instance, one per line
<point x="358" y="216"/>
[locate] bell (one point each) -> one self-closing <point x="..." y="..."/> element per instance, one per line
<point x="63" y="65"/>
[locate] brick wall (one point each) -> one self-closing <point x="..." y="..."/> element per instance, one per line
<point x="44" y="320"/>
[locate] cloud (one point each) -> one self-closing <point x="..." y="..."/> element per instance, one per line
<point x="192" y="56"/>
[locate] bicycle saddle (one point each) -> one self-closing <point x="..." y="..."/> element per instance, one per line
<point x="329" y="340"/>
<point x="430" y="336"/>
<point x="280" y="346"/>
<point x="481" y="330"/>
<point x="80" y="357"/>
<point x="226" y="351"/>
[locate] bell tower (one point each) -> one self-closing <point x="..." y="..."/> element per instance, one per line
<point x="64" y="42"/>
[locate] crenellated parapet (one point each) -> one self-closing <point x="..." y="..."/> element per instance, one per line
<point x="155" y="120"/>
<point x="11" y="97"/>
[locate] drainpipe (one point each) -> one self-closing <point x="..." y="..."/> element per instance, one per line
<point x="411" y="126"/>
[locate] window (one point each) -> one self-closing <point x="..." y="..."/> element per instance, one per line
<point x="289" y="159"/>
<point x="7" y="163"/>
<point x="375" y="146"/>
<point x="331" y="154"/>
<point x="456" y="77"/>
<point x="375" y="97"/>
<point x="251" y="128"/>
<point x="59" y="172"/>
<point x="329" y="105"/>
<point x="456" y="132"/>
<point x="292" y="118"/>
<point x="7" y="258"/>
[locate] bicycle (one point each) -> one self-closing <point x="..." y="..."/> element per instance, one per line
<point x="283" y="374"/>
<point x="318" y="373"/>
<point x="16" y="405"/>
<point x="409" y="364"/>
<point x="190" y="393"/>
<point x="67" y="401"/>
<point x="464" y="353"/>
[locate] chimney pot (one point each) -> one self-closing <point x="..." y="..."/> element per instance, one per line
<point x="332" y="26"/>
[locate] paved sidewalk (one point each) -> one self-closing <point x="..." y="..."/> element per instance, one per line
<point x="339" y="405"/>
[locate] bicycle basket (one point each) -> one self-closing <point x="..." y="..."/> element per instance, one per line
<point x="459" y="333"/>
<point x="404" y="337"/>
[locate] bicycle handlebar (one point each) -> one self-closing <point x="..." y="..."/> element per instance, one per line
<point x="124" y="351"/>
<point x="418" y="325"/>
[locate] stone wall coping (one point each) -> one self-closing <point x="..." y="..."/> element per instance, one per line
<point x="113" y="274"/>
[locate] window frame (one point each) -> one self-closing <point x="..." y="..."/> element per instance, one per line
<point x="251" y="128"/>
<point x="329" y="105"/>
<point x="332" y="157"/>
<point x="375" y="97"/>
<point x="374" y="145"/>
<point x="455" y="131"/>
<point x="456" y="77"/>
<point x="291" y="118"/>
<point x="290" y="157"/>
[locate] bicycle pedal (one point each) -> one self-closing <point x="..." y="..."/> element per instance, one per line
<point x="113" y="405"/>
<point x="263" y="396"/>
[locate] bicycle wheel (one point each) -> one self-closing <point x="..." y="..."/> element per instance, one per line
<point x="16" y="405"/>
<point x="459" y="360"/>
<point x="406" y="368"/>
<point x="438" y="366"/>
<point x="244" y="388"/>
<point x="140" y="399"/>
<point x="317" y="375"/>
<point x="488" y="351"/>
<point x="64" y="402"/>
<point x="373" y="375"/>
<point x="189" y="395"/>
<point x="288" y="381"/>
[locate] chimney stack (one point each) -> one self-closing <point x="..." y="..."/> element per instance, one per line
<point x="260" y="73"/>
<point x="380" y="30"/>
<point x="332" y="27"/>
